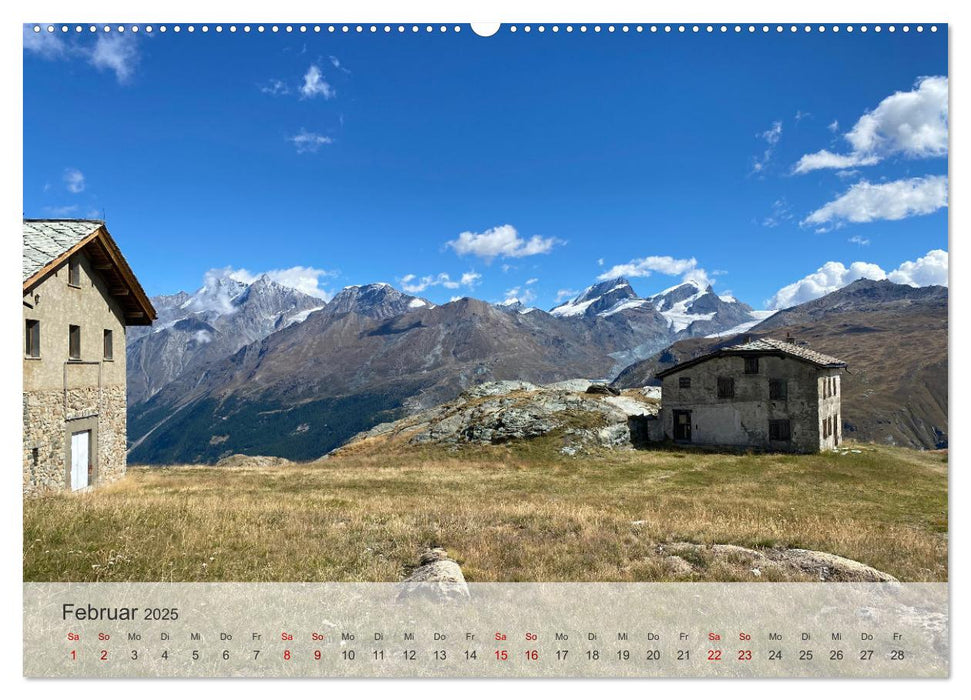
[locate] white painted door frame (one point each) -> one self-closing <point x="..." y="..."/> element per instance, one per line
<point x="80" y="456"/>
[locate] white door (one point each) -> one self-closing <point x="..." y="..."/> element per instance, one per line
<point x="79" y="459"/>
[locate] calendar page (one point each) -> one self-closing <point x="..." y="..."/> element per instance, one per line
<point x="438" y="350"/>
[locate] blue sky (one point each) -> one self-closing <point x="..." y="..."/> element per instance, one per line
<point x="777" y="166"/>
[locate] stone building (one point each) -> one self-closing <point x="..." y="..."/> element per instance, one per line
<point x="79" y="296"/>
<point x="766" y="393"/>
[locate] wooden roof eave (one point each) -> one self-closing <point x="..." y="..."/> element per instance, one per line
<point x="145" y="312"/>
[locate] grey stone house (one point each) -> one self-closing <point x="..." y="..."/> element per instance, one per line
<point x="767" y="393"/>
<point x="79" y="296"/>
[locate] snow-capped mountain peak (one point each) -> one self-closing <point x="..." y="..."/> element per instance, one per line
<point x="377" y="300"/>
<point x="596" y="299"/>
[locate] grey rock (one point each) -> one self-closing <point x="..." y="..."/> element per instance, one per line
<point x="603" y="390"/>
<point x="498" y="388"/>
<point x="437" y="578"/>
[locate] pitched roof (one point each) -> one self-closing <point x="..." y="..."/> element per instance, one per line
<point x="762" y="346"/>
<point x="48" y="243"/>
<point x="802" y="352"/>
<point x="47" y="240"/>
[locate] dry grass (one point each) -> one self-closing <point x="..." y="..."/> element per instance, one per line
<point x="515" y="513"/>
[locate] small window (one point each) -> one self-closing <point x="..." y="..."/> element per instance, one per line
<point x="74" y="272"/>
<point x="779" y="430"/>
<point x="109" y="350"/>
<point x="74" y="342"/>
<point x="32" y="346"/>
<point x="35" y="456"/>
<point x="726" y="387"/>
<point x="825" y="388"/>
<point x="684" y="382"/>
<point x="751" y="365"/>
<point x="836" y="429"/>
<point x="778" y="390"/>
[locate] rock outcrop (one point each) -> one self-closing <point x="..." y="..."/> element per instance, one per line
<point x="820" y="566"/>
<point x="500" y="412"/>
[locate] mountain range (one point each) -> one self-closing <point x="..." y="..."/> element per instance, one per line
<point x="264" y="369"/>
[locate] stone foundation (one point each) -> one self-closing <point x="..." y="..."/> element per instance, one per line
<point x="46" y="417"/>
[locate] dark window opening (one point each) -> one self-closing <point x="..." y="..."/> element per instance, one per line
<point x="74" y="342"/>
<point x="751" y="365"/>
<point x="74" y="272"/>
<point x="778" y="389"/>
<point x="32" y="346"/>
<point x="726" y="387"/>
<point x="35" y="456"/>
<point x="109" y="350"/>
<point x="682" y="426"/>
<point x="779" y="430"/>
<point x="836" y="429"/>
<point x="684" y="382"/>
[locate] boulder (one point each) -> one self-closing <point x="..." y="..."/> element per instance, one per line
<point x="602" y="390"/>
<point x="438" y="579"/>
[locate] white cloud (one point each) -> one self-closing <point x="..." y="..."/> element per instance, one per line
<point x="470" y="279"/>
<point x="780" y="214"/>
<point x="520" y="294"/>
<point x="834" y="126"/>
<point x="859" y="240"/>
<point x="415" y="285"/>
<point x="771" y="136"/>
<point x="928" y="270"/>
<point x="865" y="202"/>
<point x="665" y="264"/>
<point x="303" y="279"/>
<point x="116" y="52"/>
<point x="338" y="65"/>
<point x="45" y="44"/>
<point x="74" y="180"/>
<point x="913" y="124"/>
<point x="275" y="87"/>
<point x="202" y="336"/>
<point x="564" y="294"/>
<point x="501" y="242"/>
<point x="532" y="280"/>
<point x="309" y="141"/>
<point x="314" y="84"/>
<point x="826" y="159"/>
<point x="600" y="262"/>
<point x="828" y="278"/>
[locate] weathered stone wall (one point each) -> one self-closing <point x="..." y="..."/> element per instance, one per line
<point x="743" y="421"/>
<point x="47" y="427"/>
<point x="61" y="396"/>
